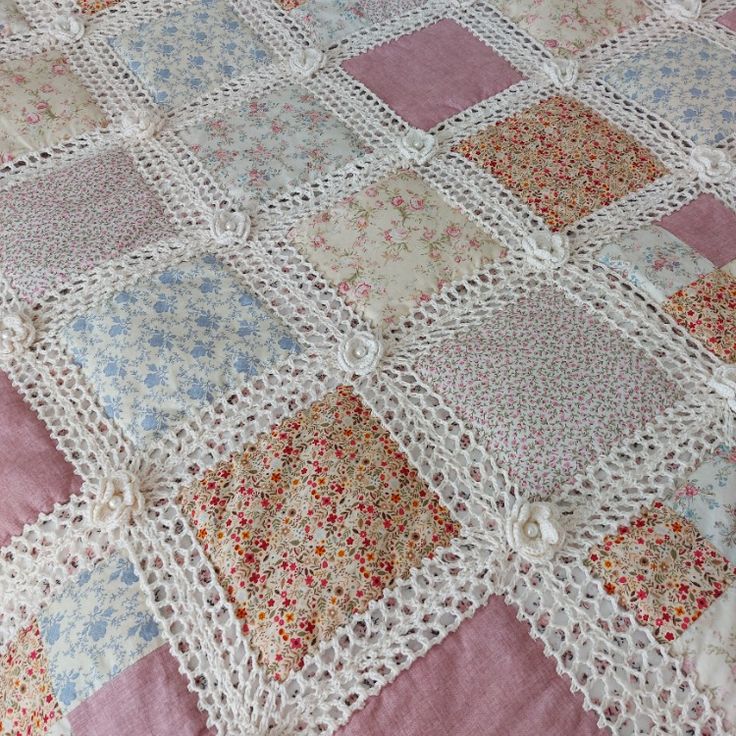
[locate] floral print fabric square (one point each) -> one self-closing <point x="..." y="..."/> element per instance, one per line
<point x="311" y="523"/>
<point x="562" y="159"/>
<point x="655" y="261"/>
<point x="29" y="707"/>
<point x="190" y="52"/>
<point x="42" y="103"/>
<point x="567" y="28"/>
<point x="54" y="228"/>
<point x="707" y="309"/>
<point x="548" y="386"/>
<point x="96" y="627"/>
<point x="391" y="246"/>
<point x="708" y="500"/>
<point x="689" y="81"/>
<point x="708" y="650"/>
<point x="278" y="138"/>
<point x="12" y="21"/>
<point x="662" y="569"/>
<point x="89" y="7"/>
<point x="173" y="343"/>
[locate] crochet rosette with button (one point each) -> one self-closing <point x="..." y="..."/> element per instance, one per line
<point x="329" y="331"/>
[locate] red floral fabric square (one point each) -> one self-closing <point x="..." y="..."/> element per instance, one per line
<point x="562" y="159"/>
<point x="662" y="569"/>
<point x="311" y="523"/>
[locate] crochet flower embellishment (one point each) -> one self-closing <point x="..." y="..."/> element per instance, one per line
<point x="417" y="146"/>
<point x="229" y="227"/>
<point x="16" y="332"/>
<point x="724" y="384"/>
<point x="712" y="165"/>
<point x="684" y="10"/>
<point x="141" y="124"/>
<point x="563" y="72"/>
<point x="360" y="353"/>
<point x="67" y="28"/>
<point x="533" y="529"/>
<point x="117" y="500"/>
<point x="545" y="250"/>
<point x="306" y="61"/>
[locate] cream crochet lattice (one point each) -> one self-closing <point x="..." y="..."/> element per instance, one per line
<point x="627" y="678"/>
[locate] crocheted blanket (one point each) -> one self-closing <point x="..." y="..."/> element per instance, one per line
<point x="367" y="367"/>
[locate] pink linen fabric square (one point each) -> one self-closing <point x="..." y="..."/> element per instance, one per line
<point x="433" y="74"/>
<point x="707" y="226"/>
<point x="149" y="698"/>
<point x="489" y="678"/>
<point x="33" y="474"/>
<point x="728" y="20"/>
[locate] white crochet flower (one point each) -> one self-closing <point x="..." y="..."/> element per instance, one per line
<point x="534" y="530"/>
<point x="360" y="353"/>
<point x="417" y="146"/>
<point x="723" y="383"/>
<point x="16" y="332"/>
<point x="546" y="250"/>
<point x="563" y="72"/>
<point x="117" y="500"/>
<point x="712" y="165"/>
<point x="67" y="28"/>
<point x="306" y="61"/>
<point x="683" y="10"/>
<point x="142" y="123"/>
<point x="229" y="227"/>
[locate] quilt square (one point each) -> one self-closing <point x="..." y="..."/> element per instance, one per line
<point x="332" y="20"/>
<point x="33" y="473"/>
<point x="568" y="28"/>
<point x="190" y="52"/>
<point x="707" y="309"/>
<point x="279" y="138"/>
<point x="689" y="81"/>
<point x="662" y="569"/>
<point x="151" y="697"/>
<point x="53" y="229"/>
<point x="728" y="20"/>
<point x="392" y="245"/>
<point x="655" y="260"/>
<point x="542" y="423"/>
<point x="29" y="706"/>
<point x="706" y="225"/>
<point x="708" y="500"/>
<point x="42" y="103"/>
<point x="433" y="74"/>
<point x="98" y="625"/>
<point x="90" y="7"/>
<point x="12" y="21"/>
<point x="173" y="343"/>
<point x="562" y="159"/>
<point x="708" y="650"/>
<point x="311" y="523"/>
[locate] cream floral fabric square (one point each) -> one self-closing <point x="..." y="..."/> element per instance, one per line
<point x="392" y="245"/>
<point x="42" y="103"/>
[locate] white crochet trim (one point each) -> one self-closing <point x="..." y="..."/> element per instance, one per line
<point x="627" y="678"/>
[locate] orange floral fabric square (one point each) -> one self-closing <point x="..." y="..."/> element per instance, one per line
<point x="29" y="706"/>
<point x="311" y="523"/>
<point x="90" y="7"/>
<point x="662" y="569"/>
<point x="707" y="309"/>
<point x="562" y="159"/>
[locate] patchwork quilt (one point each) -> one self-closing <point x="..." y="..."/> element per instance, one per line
<point x="367" y="367"/>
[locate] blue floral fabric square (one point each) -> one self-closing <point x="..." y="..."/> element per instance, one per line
<point x="688" y="81"/>
<point x="190" y="52"/>
<point x="172" y="343"/>
<point x="94" y="629"/>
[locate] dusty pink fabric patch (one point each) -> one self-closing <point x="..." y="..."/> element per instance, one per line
<point x="489" y="677"/>
<point x="150" y="698"/>
<point x="707" y="226"/>
<point x="728" y="20"/>
<point x="433" y="74"/>
<point x="33" y="474"/>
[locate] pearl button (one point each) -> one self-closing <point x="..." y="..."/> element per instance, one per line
<point x="531" y="529"/>
<point x="114" y="502"/>
<point x="360" y="351"/>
